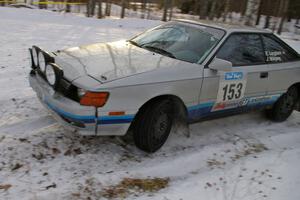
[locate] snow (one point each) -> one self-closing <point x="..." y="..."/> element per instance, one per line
<point x="241" y="157"/>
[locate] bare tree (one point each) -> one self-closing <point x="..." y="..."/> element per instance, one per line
<point x="100" y="15"/>
<point x="166" y="6"/>
<point x="267" y="23"/>
<point x="143" y="7"/>
<point x="93" y="6"/>
<point x="171" y="10"/>
<point x="213" y="9"/>
<point x="88" y="8"/>
<point x="226" y="10"/>
<point x="203" y="5"/>
<point x="68" y="7"/>
<point x="42" y="4"/>
<point x="107" y="7"/>
<point x="123" y="8"/>
<point x="259" y="12"/>
<point x="251" y="11"/>
<point x="268" y="17"/>
<point x="284" y="12"/>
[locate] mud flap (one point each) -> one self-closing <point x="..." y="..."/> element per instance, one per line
<point x="298" y="106"/>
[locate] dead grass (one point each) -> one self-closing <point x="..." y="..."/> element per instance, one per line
<point x="214" y="162"/>
<point x="246" y="150"/>
<point x="5" y="187"/>
<point x="249" y="150"/>
<point x="133" y="186"/>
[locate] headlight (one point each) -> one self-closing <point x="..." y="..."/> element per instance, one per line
<point x="42" y="62"/>
<point x="50" y="75"/>
<point x="53" y="75"/>
<point x="34" y="56"/>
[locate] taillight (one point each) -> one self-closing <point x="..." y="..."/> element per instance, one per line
<point x="97" y="99"/>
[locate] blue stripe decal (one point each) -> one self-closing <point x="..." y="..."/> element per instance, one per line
<point x="194" y="112"/>
<point x="91" y="119"/>
<point x="204" y="109"/>
<point x="85" y="119"/>
<point x="115" y="119"/>
<point x="199" y="106"/>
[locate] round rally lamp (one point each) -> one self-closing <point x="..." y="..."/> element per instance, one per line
<point x="34" y="56"/>
<point x="42" y="61"/>
<point x="31" y="64"/>
<point x="51" y="75"/>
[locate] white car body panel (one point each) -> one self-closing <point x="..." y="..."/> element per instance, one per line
<point x="133" y="76"/>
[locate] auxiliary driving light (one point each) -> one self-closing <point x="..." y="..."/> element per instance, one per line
<point x="42" y="61"/>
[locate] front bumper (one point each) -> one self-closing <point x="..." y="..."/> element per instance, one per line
<point x="71" y="114"/>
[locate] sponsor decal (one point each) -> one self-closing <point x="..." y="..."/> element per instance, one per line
<point x="231" y="90"/>
<point x="274" y="56"/>
<point x="230" y="76"/>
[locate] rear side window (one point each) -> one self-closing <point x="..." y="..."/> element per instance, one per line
<point x="242" y="49"/>
<point x="277" y="51"/>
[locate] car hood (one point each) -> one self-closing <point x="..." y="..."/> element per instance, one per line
<point x="109" y="61"/>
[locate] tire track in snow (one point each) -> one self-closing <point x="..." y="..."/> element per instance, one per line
<point x="27" y="126"/>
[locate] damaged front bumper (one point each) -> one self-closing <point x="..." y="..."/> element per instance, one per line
<point x="83" y="119"/>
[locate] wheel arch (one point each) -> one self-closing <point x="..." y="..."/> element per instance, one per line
<point x="180" y="109"/>
<point x="297" y="85"/>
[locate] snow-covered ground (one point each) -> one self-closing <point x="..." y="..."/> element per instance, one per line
<point x="243" y="157"/>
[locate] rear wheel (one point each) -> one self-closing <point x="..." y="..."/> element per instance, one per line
<point x="284" y="106"/>
<point x="153" y="125"/>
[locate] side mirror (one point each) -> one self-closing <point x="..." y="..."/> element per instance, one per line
<point x="220" y="65"/>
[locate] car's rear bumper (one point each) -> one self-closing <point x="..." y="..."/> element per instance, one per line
<point x="74" y="116"/>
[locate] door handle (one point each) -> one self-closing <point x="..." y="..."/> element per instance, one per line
<point x="264" y="75"/>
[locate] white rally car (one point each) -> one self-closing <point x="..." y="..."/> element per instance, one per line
<point x="179" y="71"/>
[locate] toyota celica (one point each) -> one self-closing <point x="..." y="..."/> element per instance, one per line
<point x="180" y="71"/>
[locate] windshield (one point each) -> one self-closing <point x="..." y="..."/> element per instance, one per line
<point x="187" y="42"/>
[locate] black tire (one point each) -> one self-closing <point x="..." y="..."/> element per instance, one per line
<point x="153" y="125"/>
<point x="284" y="106"/>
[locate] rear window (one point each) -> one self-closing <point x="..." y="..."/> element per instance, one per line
<point x="242" y="49"/>
<point x="276" y="51"/>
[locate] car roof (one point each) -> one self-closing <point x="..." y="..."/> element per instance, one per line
<point x="228" y="27"/>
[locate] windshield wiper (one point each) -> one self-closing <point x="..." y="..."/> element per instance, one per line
<point x="159" y="50"/>
<point x="133" y="43"/>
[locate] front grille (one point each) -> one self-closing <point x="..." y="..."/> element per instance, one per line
<point x="68" y="90"/>
<point x="65" y="87"/>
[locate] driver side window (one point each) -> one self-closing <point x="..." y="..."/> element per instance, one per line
<point x="242" y="49"/>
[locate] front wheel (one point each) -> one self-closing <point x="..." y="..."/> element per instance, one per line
<point x="284" y="106"/>
<point x="153" y="125"/>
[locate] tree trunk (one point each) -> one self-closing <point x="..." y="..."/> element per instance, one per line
<point x="284" y="15"/>
<point x="123" y="9"/>
<point x="259" y="13"/>
<point x="166" y="4"/>
<point x="171" y="9"/>
<point x="100" y="15"/>
<point x="212" y="10"/>
<point x="203" y="9"/>
<point x="226" y="10"/>
<point x="107" y="7"/>
<point x="267" y="23"/>
<point x="42" y="4"/>
<point x="88" y="8"/>
<point x="143" y="7"/>
<point x="251" y="11"/>
<point x="68" y="7"/>
<point x="148" y="8"/>
<point x="93" y="6"/>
